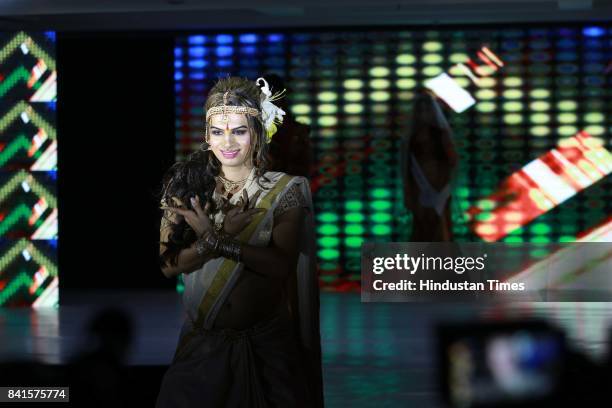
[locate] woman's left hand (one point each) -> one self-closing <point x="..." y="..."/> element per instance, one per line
<point x="240" y="215"/>
<point x="197" y="218"/>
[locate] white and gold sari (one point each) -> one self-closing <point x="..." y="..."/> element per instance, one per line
<point x="207" y="289"/>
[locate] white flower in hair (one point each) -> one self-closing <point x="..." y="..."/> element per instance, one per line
<point x="271" y="114"/>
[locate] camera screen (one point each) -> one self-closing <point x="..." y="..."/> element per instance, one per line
<point x="504" y="367"/>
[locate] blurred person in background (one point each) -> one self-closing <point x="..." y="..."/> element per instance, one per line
<point x="290" y="148"/>
<point x="429" y="162"/>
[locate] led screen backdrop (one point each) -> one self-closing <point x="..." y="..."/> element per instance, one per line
<point x="520" y="96"/>
<point x="28" y="164"/>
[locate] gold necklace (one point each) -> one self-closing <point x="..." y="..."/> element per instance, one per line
<point x="229" y="185"/>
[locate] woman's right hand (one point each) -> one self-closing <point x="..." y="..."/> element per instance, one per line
<point x="241" y="215"/>
<point x="198" y="218"/>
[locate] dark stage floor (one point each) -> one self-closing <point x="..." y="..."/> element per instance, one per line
<point x="375" y="355"/>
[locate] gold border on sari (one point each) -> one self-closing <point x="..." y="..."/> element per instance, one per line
<point x="227" y="267"/>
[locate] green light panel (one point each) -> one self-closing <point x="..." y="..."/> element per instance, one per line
<point x="355" y="89"/>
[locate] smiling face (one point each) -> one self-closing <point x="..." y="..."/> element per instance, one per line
<point x="231" y="142"/>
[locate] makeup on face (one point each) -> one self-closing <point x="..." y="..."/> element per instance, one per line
<point x="230" y="141"/>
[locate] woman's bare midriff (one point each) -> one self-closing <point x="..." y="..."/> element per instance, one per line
<point x="428" y="225"/>
<point x="254" y="298"/>
<point x="436" y="171"/>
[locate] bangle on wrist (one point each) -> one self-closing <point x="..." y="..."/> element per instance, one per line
<point x="216" y="242"/>
<point x="207" y="243"/>
<point x="222" y="245"/>
<point x="230" y="248"/>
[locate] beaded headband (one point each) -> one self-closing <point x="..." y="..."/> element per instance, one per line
<point x="225" y="109"/>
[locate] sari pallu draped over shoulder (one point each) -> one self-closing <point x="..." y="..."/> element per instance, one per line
<point x="251" y="361"/>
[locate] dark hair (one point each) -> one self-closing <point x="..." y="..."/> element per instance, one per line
<point x="184" y="180"/>
<point x="428" y="115"/>
<point x="196" y="175"/>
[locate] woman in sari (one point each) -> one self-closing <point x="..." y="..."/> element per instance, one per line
<point x="429" y="164"/>
<point x="244" y="239"/>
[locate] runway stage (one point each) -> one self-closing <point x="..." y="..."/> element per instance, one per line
<point x="374" y="354"/>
